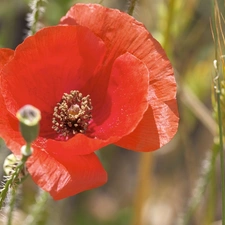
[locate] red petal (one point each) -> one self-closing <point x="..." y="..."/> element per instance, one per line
<point x="122" y="33"/>
<point x="5" y="56"/>
<point x="66" y="176"/>
<point x="53" y="61"/>
<point x="9" y="129"/>
<point x="126" y="99"/>
<point x="80" y="145"/>
<point x="155" y="137"/>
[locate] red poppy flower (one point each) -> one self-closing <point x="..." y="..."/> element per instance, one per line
<point x="94" y="86"/>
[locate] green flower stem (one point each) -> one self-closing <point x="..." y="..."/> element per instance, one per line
<point x="27" y="151"/>
<point x="220" y="122"/>
<point x="11" y="179"/>
<point x="131" y="7"/>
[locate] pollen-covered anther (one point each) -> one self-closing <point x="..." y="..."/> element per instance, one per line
<point x="72" y="114"/>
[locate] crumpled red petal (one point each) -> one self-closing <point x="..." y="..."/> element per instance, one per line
<point x="121" y="33"/>
<point x="66" y="176"/>
<point x="9" y="127"/>
<point x="9" y="130"/>
<point x="156" y="136"/>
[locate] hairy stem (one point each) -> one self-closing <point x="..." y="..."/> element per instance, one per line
<point x="33" y="18"/>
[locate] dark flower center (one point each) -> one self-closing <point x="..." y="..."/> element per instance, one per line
<point x="72" y="114"/>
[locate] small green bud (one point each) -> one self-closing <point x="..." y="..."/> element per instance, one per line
<point x="29" y="118"/>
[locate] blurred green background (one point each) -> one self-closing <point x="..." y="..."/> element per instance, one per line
<point x="183" y="28"/>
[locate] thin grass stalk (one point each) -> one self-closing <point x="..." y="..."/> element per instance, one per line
<point x="131" y="6"/>
<point x="100" y="2"/>
<point x="167" y="33"/>
<point x="219" y="40"/>
<point x="200" y="111"/>
<point x="220" y="122"/>
<point x="211" y="207"/>
<point x="143" y="186"/>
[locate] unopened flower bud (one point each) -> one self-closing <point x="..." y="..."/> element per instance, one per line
<point x="10" y="164"/>
<point x="29" y="118"/>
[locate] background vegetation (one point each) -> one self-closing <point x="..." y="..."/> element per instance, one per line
<point x="156" y="188"/>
